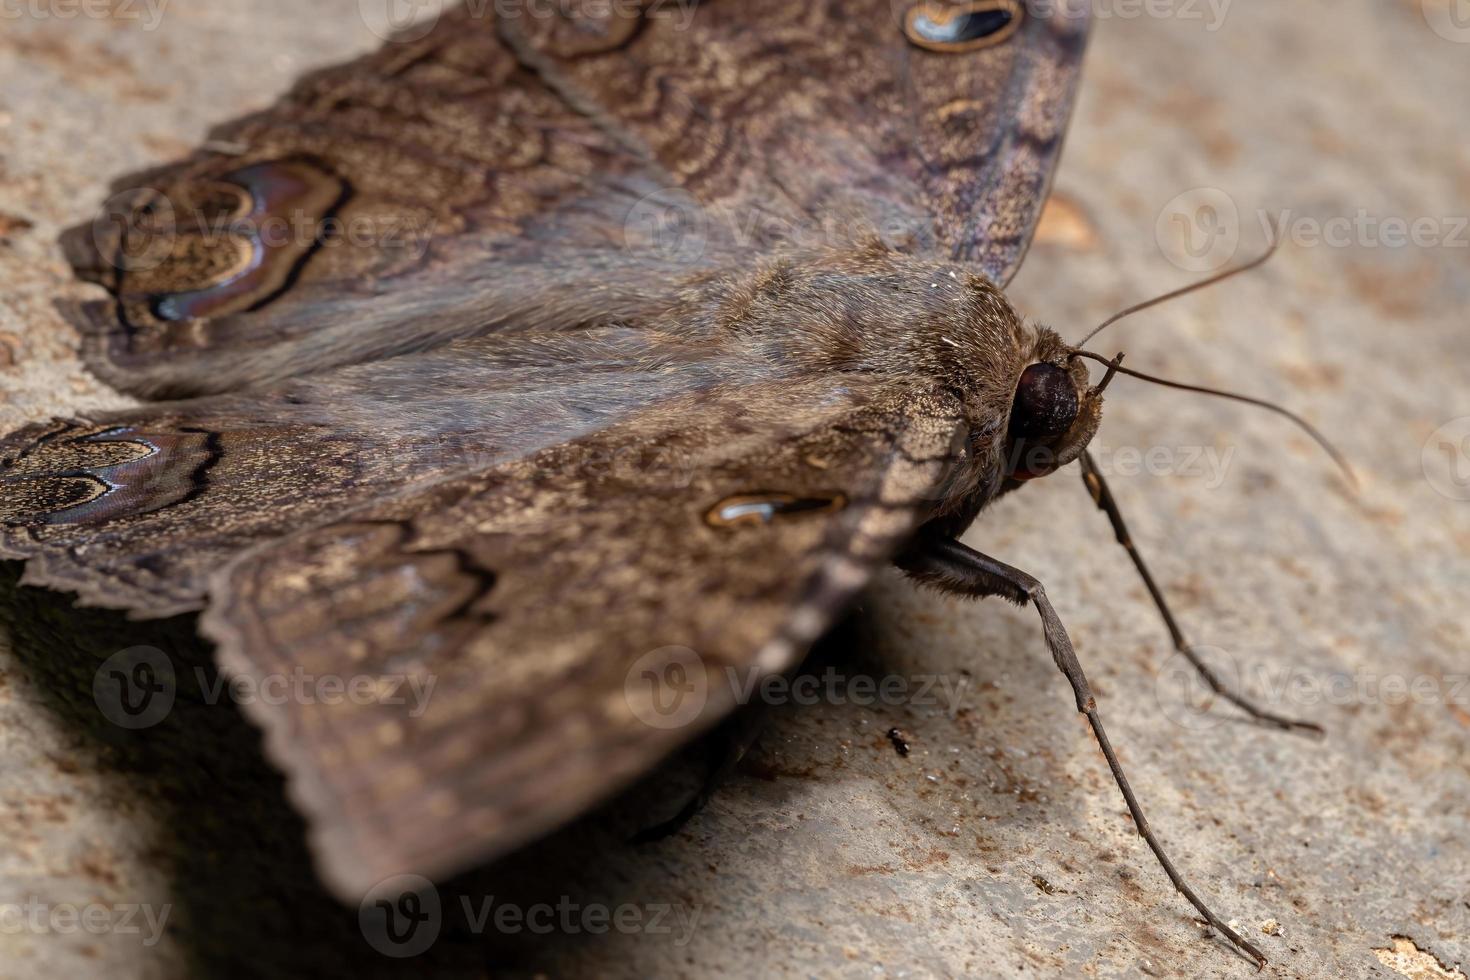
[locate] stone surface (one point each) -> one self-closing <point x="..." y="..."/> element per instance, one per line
<point x="998" y="844"/>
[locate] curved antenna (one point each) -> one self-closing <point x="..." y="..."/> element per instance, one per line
<point x="1185" y="290"/>
<point x="1303" y="424"/>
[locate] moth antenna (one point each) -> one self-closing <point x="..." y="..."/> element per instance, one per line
<point x="1303" y="424"/>
<point x="1108" y="377"/>
<point x="1185" y="290"/>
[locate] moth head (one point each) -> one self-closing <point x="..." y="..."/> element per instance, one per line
<point x="1055" y="411"/>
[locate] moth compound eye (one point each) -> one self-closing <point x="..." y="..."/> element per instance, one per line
<point x="1046" y="403"/>
<point x="964" y="27"/>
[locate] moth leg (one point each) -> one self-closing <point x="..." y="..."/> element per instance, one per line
<point x="725" y="747"/>
<point x="953" y="567"/>
<point x="1103" y="497"/>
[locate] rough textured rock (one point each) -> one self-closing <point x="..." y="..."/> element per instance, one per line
<point x="998" y="843"/>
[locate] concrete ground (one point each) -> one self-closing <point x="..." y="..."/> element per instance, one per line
<point x="998" y="845"/>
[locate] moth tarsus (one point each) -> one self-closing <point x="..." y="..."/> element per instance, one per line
<point x="1102" y="495"/>
<point x="957" y="568"/>
<point x="1146" y="832"/>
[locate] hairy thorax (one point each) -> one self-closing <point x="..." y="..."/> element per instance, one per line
<point x="867" y="309"/>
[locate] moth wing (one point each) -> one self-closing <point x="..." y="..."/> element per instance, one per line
<point x="569" y="618"/>
<point x="136" y="509"/>
<point x="573" y="167"/>
<point x="935" y="124"/>
<point x="432" y="190"/>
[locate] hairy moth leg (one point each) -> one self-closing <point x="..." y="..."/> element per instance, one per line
<point x="953" y="567"/>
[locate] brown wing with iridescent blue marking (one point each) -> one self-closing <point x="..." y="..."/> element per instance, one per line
<point x="135" y="509"/>
<point x="936" y="123"/>
<point x="550" y="172"/>
<point x="574" y="615"/>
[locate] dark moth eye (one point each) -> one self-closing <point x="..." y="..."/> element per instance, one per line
<point x="961" y="27"/>
<point x="1046" y="403"/>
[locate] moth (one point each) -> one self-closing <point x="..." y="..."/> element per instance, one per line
<point x="538" y="350"/>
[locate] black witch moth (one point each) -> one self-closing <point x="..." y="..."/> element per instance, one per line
<point x="541" y="349"/>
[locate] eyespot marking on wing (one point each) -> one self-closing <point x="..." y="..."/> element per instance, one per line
<point x="964" y="27"/>
<point x="97" y="476"/>
<point x="211" y="247"/>
<point x="277" y="219"/>
<point x="760" y="509"/>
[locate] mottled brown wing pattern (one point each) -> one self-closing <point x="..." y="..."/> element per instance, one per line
<point x="504" y="174"/>
<point x="825" y="119"/>
<point x="528" y="594"/>
<point x="135" y="509"/>
<point x="408" y="197"/>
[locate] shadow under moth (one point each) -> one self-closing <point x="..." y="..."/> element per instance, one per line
<point x="530" y="348"/>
